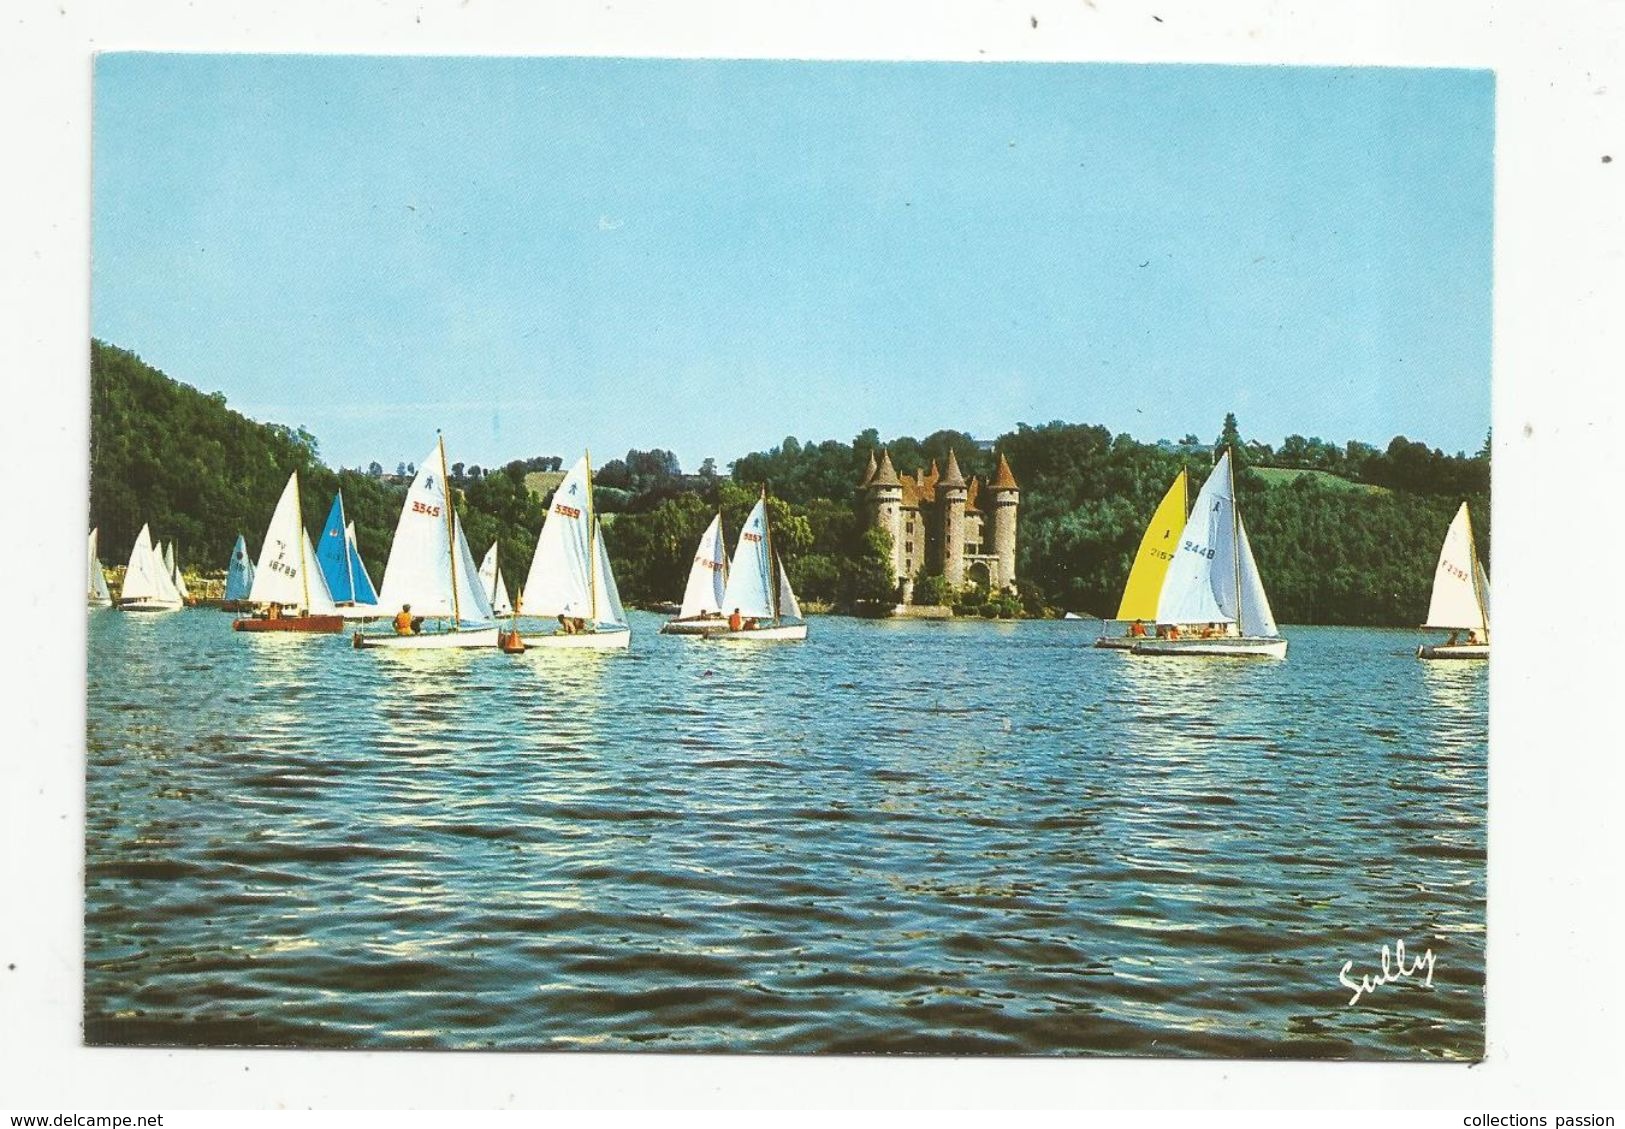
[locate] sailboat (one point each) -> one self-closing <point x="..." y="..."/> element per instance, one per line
<point x="340" y="561"/>
<point x="288" y="585"/>
<point x="570" y="580"/>
<point x="239" y="577"/>
<point x="1461" y="596"/>
<point x="96" y="593"/>
<point x="496" y="588"/>
<point x="758" y="589"/>
<point x="1212" y="601"/>
<point x="431" y="573"/>
<point x="147" y="584"/>
<point x="701" y="610"/>
<point x="1156" y="552"/>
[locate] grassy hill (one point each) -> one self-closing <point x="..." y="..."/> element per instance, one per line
<point x="1285" y="476"/>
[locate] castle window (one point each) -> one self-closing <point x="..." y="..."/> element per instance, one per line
<point x="972" y="549"/>
<point x="908" y="547"/>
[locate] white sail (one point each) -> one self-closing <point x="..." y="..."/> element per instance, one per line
<point x="287" y="572"/>
<point x="164" y="556"/>
<point x="420" y="568"/>
<point x="708" y="578"/>
<point x="1256" y="617"/>
<point x="609" y="596"/>
<point x="1455" y="604"/>
<point x="473" y="605"/>
<point x="560" y="581"/>
<point x="789" y="608"/>
<point x="144" y="576"/>
<point x="175" y="576"/>
<point x="750" y="577"/>
<point x="1188" y="590"/>
<point x="496" y="589"/>
<point x="96" y="587"/>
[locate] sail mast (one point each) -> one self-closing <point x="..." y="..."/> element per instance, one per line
<point x="451" y="531"/>
<point x="772" y="557"/>
<point x="592" y="542"/>
<point x="299" y="543"/>
<point x="1472" y="567"/>
<point x="349" y="561"/>
<point x="1235" y="543"/>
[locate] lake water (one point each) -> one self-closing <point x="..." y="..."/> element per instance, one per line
<point x="963" y="837"/>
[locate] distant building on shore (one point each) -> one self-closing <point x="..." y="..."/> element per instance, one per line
<point x="940" y="523"/>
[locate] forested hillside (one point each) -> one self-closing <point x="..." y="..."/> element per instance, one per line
<point x="1343" y="534"/>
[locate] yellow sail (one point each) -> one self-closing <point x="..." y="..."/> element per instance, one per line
<point x="1156" y="551"/>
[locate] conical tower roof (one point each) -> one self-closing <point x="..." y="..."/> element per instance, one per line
<point x="951" y="475"/>
<point x="886" y="474"/>
<point x="1002" y="478"/>
<point x="868" y="471"/>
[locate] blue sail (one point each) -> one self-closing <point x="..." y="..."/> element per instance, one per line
<point x="365" y="593"/>
<point x="332" y="554"/>
<point x="239" y="572"/>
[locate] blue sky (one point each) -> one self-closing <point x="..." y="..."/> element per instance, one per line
<point x="541" y="255"/>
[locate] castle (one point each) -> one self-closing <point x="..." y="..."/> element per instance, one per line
<point x="939" y="523"/>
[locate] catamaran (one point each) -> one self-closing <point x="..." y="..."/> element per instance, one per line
<point x="701" y="609"/>
<point x="288" y="586"/>
<point x="239" y="577"/>
<point x="1139" y="603"/>
<point x="1461" y="596"/>
<point x="147" y="584"/>
<point x="570" y="581"/>
<point x="353" y="594"/>
<point x="496" y="588"/>
<point x="431" y="573"/>
<point x="758" y="597"/>
<point x="1212" y="602"/>
<point x="96" y="593"/>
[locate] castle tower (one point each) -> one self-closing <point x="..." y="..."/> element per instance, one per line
<point x="885" y="492"/>
<point x="951" y="494"/>
<point x="1004" y="500"/>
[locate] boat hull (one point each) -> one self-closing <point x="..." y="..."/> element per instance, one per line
<point x="142" y="604"/>
<point x="1118" y="642"/>
<point x="361" y="612"/>
<point x="585" y="641"/>
<point x="703" y="625"/>
<point x="306" y="624"/>
<point x="1231" y="647"/>
<point x="784" y="633"/>
<point x="1458" y="651"/>
<point x="437" y="641"/>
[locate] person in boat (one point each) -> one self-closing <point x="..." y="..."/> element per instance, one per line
<point x="1173" y="631"/>
<point x="274" y="611"/>
<point x="735" y="623"/>
<point x="404" y="623"/>
<point x="566" y="626"/>
<point x="1454" y="640"/>
<point x="1474" y="639"/>
<point x="1137" y="629"/>
<point x="578" y="626"/>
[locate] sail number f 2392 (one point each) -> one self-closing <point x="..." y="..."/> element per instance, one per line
<point x="1199" y="550"/>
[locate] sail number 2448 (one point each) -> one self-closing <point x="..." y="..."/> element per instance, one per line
<point x="1199" y="550"/>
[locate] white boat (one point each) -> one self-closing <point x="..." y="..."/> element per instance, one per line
<point x="1144" y="587"/>
<point x="96" y="593"/>
<point x="178" y="582"/>
<point x="701" y="610"/>
<point x="570" y="581"/>
<point x="432" y="571"/>
<point x="1461" y="596"/>
<point x="758" y="594"/>
<point x="147" y="584"/>
<point x="496" y="588"/>
<point x="1212" y="601"/>
<point x="289" y="587"/>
